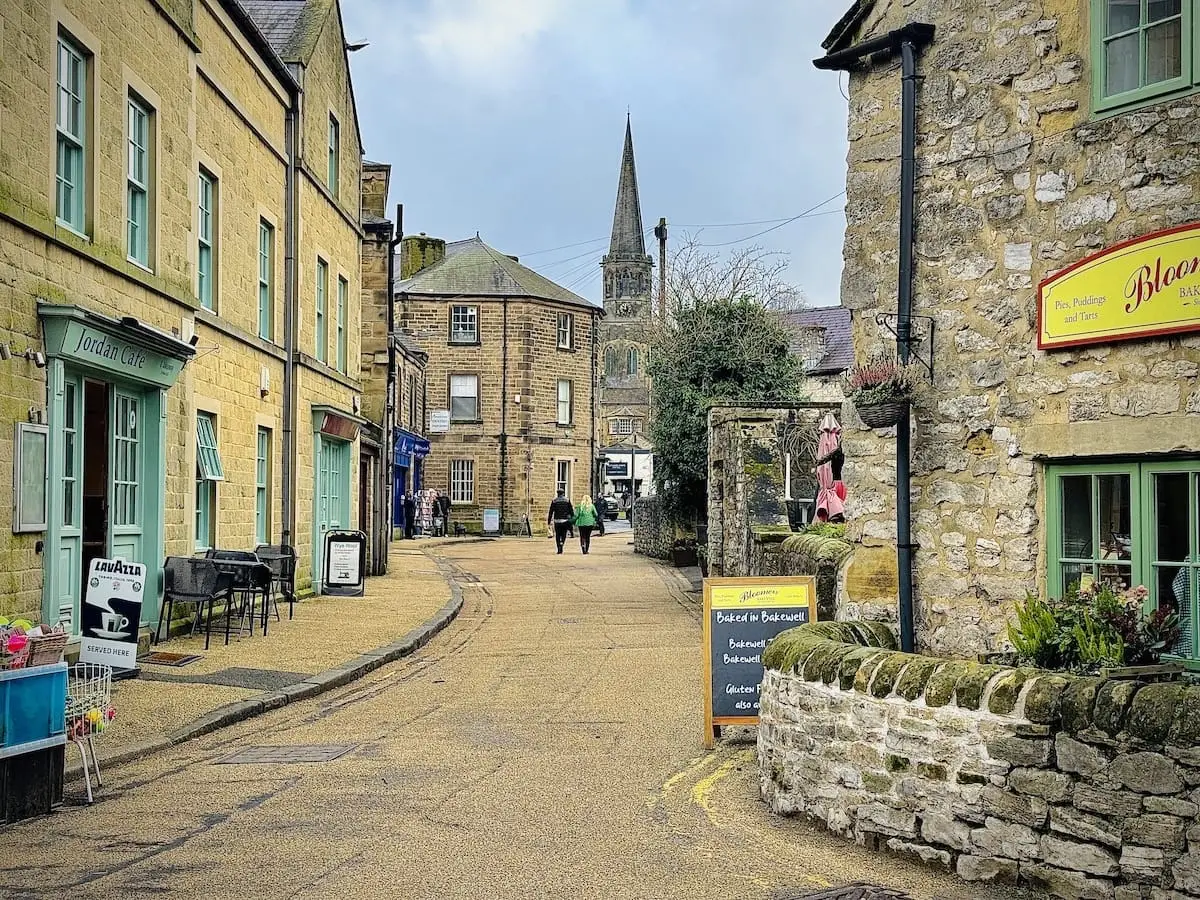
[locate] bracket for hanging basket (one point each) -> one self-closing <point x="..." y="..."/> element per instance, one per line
<point x="920" y="334"/>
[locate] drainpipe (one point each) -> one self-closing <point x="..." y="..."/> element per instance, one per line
<point x="593" y="487"/>
<point x="290" y="232"/>
<point x="504" y="416"/>
<point x="389" y="414"/>
<point x="908" y="41"/>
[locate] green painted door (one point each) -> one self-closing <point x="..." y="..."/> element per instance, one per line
<point x="332" y="495"/>
<point x="126" y="485"/>
<point x="65" y="574"/>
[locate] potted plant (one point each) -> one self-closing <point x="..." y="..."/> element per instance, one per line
<point x="683" y="553"/>
<point x="880" y="390"/>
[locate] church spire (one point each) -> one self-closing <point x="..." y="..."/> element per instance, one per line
<point x="628" y="237"/>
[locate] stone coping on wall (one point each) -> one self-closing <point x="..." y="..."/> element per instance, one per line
<point x="1078" y="786"/>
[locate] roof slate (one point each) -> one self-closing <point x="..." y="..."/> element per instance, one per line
<point x="285" y="25"/>
<point x="473" y="269"/>
<point x="839" y="348"/>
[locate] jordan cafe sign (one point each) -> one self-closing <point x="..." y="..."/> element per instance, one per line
<point x="1142" y="288"/>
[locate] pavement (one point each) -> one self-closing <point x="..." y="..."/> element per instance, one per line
<point x="547" y="744"/>
<point x="330" y="640"/>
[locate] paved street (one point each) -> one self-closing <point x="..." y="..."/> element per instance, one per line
<point x="547" y="744"/>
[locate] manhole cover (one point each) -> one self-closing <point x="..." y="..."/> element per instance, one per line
<point x="300" y="753"/>
<point x="162" y="658"/>
<point x="858" y="891"/>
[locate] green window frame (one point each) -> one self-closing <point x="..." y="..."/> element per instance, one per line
<point x="71" y="135"/>
<point x="266" y="286"/>
<point x="137" y="187"/>
<point x="206" y="210"/>
<point x="335" y="143"/>
<point x="322" y="329"/>
<point x="262" y="486"/>
<point x="208" y="472"/>
<point x="343" y="292"/>
<point x="126" y="452"/>
<point x="1159" y="503"/>
<point x="1143" y="50"/>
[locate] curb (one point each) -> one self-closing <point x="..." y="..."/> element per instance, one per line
<point x="239" y="711"/>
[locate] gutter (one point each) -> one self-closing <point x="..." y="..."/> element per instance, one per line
<point x="906" y="41"/>
<point x="504" y="417"/>
<point x="389" y="414"/>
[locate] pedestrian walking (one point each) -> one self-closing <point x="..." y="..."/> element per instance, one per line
<point x="601" y="506"/>
<point x="585" y="521"/>
<point x="443" y="502"/>
<point x="560" y="517"/>
<point x="410" y="515"/>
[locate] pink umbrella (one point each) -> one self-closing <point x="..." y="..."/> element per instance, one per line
<point x="829" y="472"/>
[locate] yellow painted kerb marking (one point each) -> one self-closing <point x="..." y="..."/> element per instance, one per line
<point x="703" y="789"/>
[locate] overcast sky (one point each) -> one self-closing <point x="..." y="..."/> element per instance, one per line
<point x="507" y="117"/>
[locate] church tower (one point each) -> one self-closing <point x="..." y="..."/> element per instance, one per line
<point x="624" y="417"/>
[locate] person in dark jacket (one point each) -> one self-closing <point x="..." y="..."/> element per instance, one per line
<point x="410" y="515"/>
<point x="601" y="506"/>
<point x="560" y="517"/>
<point x="443" y="505"/>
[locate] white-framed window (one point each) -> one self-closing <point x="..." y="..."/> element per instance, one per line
<point x="266" y="278"/>
<point x="620" y="426"/>
<point x="637" y="426"/>
<point x="462" y="481"/>
<point x="566" y="331"/>
<point x="334" y="154"/>
<point x="565" y="410"/>
<point x="562" y="476"/>
<point x="322" y="335"/>
<point x="71" y="131"/>
<point x="464" y="324"/>
<point x="342" y="302"/>
<point x="464" y="398"/>
<point x="29" y="481"/>
<point x="206" y="212"/>
<point x="137" y="186"/>
<point x="208" y="472"/>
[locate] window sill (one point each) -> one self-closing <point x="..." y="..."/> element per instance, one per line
<point x="462" y="344"/>
<point x="1112" y="111"/>
<point x="141" y="265"/>
<point x="466" y="421"/>
<point x="71" y="229"/>
<point x="566" y="349"/>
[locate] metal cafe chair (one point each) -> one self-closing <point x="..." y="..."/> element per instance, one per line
<point x="191" y="580"/>
<point x="281" y="559"/>
<point x="250" y="578"/>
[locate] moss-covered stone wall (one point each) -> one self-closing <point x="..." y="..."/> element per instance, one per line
<point x="1079" y="787"/>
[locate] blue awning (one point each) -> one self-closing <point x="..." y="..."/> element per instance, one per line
<point x="408" y="446"/>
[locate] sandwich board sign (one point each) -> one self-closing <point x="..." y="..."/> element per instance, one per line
<point x="741" y="615"/>
<point x="111" y="612"/>
<point x="345" y="563"/>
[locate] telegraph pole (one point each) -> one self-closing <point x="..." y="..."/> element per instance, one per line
<point x="660" y="232"/>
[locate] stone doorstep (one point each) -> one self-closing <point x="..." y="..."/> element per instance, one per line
<point x="232" y="713"/>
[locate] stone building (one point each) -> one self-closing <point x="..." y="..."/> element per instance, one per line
<point x="821" y="339"/>
<point x="624" y="418"/>
<point x="396" y="470"/>
<point x="158" y="369"/>
<point x="1060" y="436"/>
<point x="510" y="374"/>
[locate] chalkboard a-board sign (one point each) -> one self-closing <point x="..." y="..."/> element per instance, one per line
<point x="741" y="615"/>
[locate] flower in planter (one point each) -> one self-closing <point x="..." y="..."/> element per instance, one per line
<point x="881" y="380"/>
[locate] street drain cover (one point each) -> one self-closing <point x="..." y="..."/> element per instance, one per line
<point x="299" y="753"/>
<point x="858" y="891"/>
<point x="162" y="658"/>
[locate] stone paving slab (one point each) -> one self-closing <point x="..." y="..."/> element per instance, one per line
<point x="330" y="642"/>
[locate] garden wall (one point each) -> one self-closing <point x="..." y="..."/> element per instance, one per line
<point x="652" y="533"/>
<point x="1077" y="786"/>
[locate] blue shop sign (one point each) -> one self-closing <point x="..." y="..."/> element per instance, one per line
<point x="408" y="446"/>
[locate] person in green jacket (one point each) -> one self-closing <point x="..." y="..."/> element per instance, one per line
<point x="585" y="521"/>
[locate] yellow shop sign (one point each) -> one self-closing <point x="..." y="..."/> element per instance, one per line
<point x="1141" y="288"/>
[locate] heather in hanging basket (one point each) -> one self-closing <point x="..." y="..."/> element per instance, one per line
<point x="880" y="390"/>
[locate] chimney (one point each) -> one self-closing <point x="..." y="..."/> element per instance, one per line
<point x="375" y="178"/>
<point x="810" y="344"/>
<point x="419" y="251"/>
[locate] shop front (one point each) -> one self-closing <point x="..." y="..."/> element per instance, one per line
<point x="334" y="434"/>
<point x="408" y="461"/>
<point x="107" y="381"/>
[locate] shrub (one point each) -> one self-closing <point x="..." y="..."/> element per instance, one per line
<point x="826" y="529"/>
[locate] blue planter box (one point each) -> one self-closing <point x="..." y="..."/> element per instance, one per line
<point x="32" y="709"/>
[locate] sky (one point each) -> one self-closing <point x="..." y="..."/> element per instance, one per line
<point x="507" y="118"/>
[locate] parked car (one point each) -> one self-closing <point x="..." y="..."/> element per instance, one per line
<point x="609" y="507"/>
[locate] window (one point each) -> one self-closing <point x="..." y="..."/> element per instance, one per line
<point x="464" y="325"/>
<point x="1143" y="49"/>
<point x="1130" y="524"/>
<point x="564" y="402"/>
<point x="71" y="130"/>
<point x="343" y="291"/>
<point x="464" y="398"/>
<point x="637" y="426"/>
<point x="266" y="271"/>
<point x="620" y="426"/>
<point x="566" y="331"/>
<point x="334" y="154"/>
<point x="70" y="442"/>
<point x="562" y="476"/>
<point x="632" y="361"/>
<point x="462" y="481"/>
<point x="29" y="482"/>
<point x="205" y="210"/>
<point x="126" y="459"/>
<point x="137" y="186"/>
<point x="322" y="323"/>
<point x="208" y="473"/>
<point x="262" y="487"/>
<point x="610" y="362"/>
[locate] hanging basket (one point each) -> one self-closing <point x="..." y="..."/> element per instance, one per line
<point x="882" y="415"/>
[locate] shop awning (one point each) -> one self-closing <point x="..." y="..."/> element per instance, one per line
<point x="408" y="447"/>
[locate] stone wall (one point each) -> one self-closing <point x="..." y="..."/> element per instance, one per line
<point x="826" y="559"/>
<point x="1017" y="179"/>
<point x="1078" y="787"/>
<point x="652" y="533"/>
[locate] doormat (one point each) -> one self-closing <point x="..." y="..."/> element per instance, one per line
<point x="860" y="890"/>
<point x="300" y="753"/>
<point x="162" y="658"/>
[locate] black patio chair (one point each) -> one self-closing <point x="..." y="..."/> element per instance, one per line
<point x="191" y="580"/>
<point x="250" y="578"/>
<point x="281" y="559"/>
